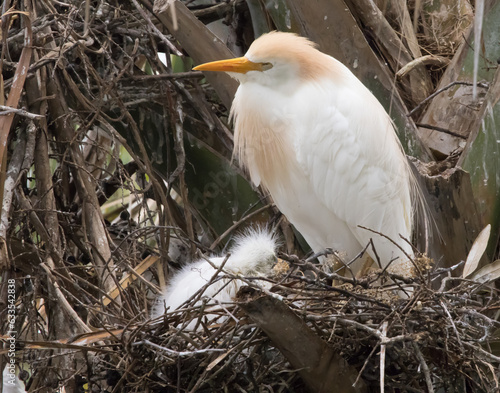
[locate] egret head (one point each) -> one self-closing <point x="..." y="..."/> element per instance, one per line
<point x="274" y="59"/>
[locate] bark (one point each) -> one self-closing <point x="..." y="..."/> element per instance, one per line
<point x="320" y="367"/>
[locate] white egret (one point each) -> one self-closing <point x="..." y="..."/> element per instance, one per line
<point x="316" y="138"/>
<point x="252" y="255"/>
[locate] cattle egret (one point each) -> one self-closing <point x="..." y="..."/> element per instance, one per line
<point x="316" y="138"/>
<point x="253" y="255"/>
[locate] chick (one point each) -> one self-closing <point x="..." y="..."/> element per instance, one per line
<point x="252" y="255"/>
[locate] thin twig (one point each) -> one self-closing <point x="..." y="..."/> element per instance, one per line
<point x="439" y="91"/>
<point x="422" y="61"/>
<point x="440" y="129"/>
<point x="452" y="322"/>
<point x="398" y="246"/>
<point x="425" y="368"/>
<point x="177" y="353"/>
<point x="64" y="302"/>
<point x="21" y="112"/>
<point x="159" y="77"/>
<point x="238" y="223"/>
<point x="383" y="334"/>
<point x="155" y="29"/>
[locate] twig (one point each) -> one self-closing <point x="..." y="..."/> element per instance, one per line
<point x="365" y="364"/>
<point x="383" y="334"/>
<point x="11" y="180"/>
<point x="374" y="332"/>
<point x="155" y="78"/>
<point x="422" y="61"/>
<point x="398" y="246"/>
<point x="425" y="368"/>
<point x="64" y="302"/>
<point x="487" y="355"/>
<point x="442" y="270"/>
<point x="238" y="223"/>
<point x="452" y="324"/>
<point x="221" y="305"/>
<point x="155" y="29"/>
<point x="341" y="291"/>
<point x="375" y="252"/>
<point x="439" y="91"/>
<point x="21" y="112"/>
<point x="440" y="129"/>
<point x="177" y="353"/>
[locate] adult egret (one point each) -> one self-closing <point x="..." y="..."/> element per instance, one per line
<point x="252" y="255"/>
<point x="316" y="138"/>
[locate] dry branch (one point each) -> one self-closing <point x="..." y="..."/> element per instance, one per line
<point x="322" y="369"/>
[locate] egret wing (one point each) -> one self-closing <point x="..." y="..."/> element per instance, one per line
<point x="346" y="144"/>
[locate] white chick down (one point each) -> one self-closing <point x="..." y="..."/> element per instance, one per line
<point x="252" y="255"/>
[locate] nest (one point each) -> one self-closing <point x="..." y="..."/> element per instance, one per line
<point x="436" y="340"/>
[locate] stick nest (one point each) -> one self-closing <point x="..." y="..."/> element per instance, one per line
<point x="436" y="339"/>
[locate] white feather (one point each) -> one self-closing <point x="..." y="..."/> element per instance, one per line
<point x="253" y="255"/>
<point x="326" y="150"/>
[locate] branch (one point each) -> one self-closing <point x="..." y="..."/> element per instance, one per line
<point x="21" y="112"/>
<point x="177" y="353"/>
<point x="322" y="369"/>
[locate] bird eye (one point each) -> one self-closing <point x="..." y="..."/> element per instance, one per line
<point x="266" y="66"/>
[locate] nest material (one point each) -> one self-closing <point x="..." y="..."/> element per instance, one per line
<point x="436" y="339"/>
<point x="432" y="340"/>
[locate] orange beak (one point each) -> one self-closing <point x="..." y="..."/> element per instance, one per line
<point x="238" y="64"/>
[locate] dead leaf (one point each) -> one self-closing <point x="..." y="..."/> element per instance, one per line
<point x="91" y="338"/>
<point x="476" y="252"/>
<point x="129" y="278"/>
<point x="218" y="359"/>
<point x="488" y="273"/>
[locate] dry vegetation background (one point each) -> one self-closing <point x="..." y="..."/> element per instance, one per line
<point x="116" y="170"/>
